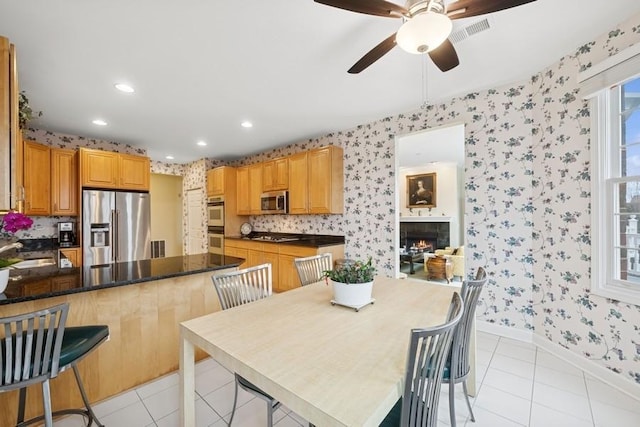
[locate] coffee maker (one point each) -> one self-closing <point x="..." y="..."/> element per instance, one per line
<point x="66" y="234"/>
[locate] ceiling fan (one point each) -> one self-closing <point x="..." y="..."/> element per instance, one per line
<point x="427" y="25"/>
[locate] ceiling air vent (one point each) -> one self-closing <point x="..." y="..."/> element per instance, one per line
<point x="468" y="31"/>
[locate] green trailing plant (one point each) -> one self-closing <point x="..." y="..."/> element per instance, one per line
<point x="25" y="112"/>
<point x="352" y="272"/>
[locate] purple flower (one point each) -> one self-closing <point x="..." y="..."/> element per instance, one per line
<point x="14" y="221"/>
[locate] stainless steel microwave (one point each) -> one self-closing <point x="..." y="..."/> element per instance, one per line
<point x="275" y="202"/>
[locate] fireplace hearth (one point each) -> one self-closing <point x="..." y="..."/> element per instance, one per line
<point x="424" y="234"/>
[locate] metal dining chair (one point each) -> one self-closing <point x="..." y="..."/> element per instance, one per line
<point x="428" y="351"/>
<point x="458" y="366"/>
<point x="35" y="347"/>
<point x="311" y="269"/>
<point x="238" y="288"/>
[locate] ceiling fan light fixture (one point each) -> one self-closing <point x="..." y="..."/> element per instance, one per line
<point x="424" y="32"/>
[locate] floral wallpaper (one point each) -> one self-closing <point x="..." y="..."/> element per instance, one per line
<point x="527" y="203"/>
<point x="563" y="309"/>
<point x="527" y="212"/>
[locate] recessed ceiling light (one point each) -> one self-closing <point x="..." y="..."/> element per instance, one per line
<point x="123" y="87"/>
<point x="169" y="157"/>
<point x="246" y="124"/>
<point x="201" y="143"/>
<point x="99" y="122"/>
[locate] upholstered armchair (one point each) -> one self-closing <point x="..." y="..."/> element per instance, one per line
<point x="456" y="255"/>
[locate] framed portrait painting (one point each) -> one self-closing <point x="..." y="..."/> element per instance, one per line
<point x="421" y="190"/>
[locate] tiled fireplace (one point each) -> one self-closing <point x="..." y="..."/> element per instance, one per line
<point x="423" y="234"/>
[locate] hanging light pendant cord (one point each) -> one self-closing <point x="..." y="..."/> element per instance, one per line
<point x="425" y="83"/>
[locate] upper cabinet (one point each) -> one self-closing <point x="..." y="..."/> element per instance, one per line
<point x="249" y="190"/>
<point x="275" y="175"/>
<point x="326" y="180"/>
<point x="106" y="169"/>
<point x="37" y="178"/>
<point x="50" y="180"/>
<point x="10" y="150"/>
<point x="64" y="182"/>
<point x="242" y="191"/>
<point x="134" y="172"/>
<point x="216" y="182"/>
<point x="298" y="179"/>
<point x="316" y="181"/>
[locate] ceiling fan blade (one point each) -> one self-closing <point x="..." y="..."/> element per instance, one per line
<point x="466" y="8"/>
<point x="445" y="56"/>
<point x="374" y="54"/>
<point x="369" y="7"/>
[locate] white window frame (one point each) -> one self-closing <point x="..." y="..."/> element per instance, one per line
<point x="605" y="161"/>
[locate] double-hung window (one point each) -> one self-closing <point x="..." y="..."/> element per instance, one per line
<point x="615" y="147"/>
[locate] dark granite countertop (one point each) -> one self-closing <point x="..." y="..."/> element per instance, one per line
<point x="50" y="281"/>
<point x="307" y="240"/>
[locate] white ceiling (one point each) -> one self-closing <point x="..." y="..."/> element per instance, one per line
<point x="200" y="67"/>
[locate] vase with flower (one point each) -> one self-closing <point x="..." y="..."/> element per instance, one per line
<point x="10" y="224"/>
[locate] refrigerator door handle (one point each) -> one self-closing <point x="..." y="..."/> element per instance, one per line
<point x="114" y="235"/>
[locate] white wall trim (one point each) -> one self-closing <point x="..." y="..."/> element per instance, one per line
<point x="504" y="331"/>
<point x="425" y="219"/>
<point x="600" y="372"/>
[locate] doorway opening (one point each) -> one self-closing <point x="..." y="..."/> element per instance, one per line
<point x="429" y="197"/>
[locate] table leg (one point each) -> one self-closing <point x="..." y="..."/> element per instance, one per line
<point x="187" y="382"/>
<point x="411" y="270"/>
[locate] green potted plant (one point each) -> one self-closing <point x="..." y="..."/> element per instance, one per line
<point x="25" y="112"/>
<point x="352" y="283"/>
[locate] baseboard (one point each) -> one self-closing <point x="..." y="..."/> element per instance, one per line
<point x="504" y="331"/>
<point x="603" y="374"/>
<point x="598" y="371"/>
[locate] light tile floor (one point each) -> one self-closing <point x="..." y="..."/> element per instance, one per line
<point x="519" y="385"/>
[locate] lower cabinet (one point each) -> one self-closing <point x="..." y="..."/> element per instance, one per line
<point x="73" y="255"/>
<point x="281" y="256"/>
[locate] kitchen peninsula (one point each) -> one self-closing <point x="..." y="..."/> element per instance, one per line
<point x="142" y="302"/>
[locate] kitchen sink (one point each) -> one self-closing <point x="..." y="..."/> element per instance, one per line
<point x="34" y="263"/>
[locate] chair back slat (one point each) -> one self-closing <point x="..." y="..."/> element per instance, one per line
<point x="311" y="269"/>
<point x="30" y="346"/>
<point x="243" y="286"/>
<point x="470" y="292"/>
<point x="428" y="351"/>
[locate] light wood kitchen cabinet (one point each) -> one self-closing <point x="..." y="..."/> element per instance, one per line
<point x="37" y="178"/>
<point x="275" y="175"/>
<point x="316" y="181"/>
<point x="10" y="134"/>
<point x="134" y="172"/>
<point x="73" y="255"/>
<point x="242" y="192"/>
<point x="281" y="256"/>
<point x="107" y="169"/>
<point x="50" y="180"/>
<point x="326" y="180"/>
<point x="64" y="182"/>
<point x="298" y="179"/>
<point x="249" y="189"/>
<point x="255" y="188"/>
<point x="63" y="283"/>
<point x="216" y="182"/>
<point x="99" y="168"/>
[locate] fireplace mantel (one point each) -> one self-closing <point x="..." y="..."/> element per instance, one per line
<point x="425" y="219"/>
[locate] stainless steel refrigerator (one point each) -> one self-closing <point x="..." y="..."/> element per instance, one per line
<point x="116" y="226"/>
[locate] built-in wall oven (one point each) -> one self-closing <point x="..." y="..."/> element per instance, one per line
<point x="215" y="238"/>
<point x="215" y="223"/>
<point x="215" y="211"/>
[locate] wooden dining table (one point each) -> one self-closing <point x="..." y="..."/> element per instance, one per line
<point x="329" y="364"/>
